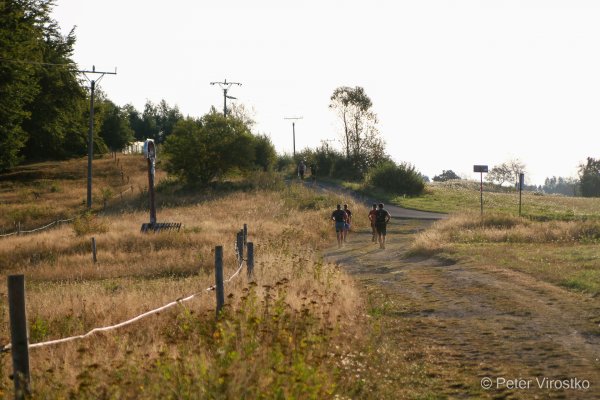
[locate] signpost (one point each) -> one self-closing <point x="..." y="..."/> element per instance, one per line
<point x="481" y="169"/>
<point x="150" y="153"/>
<point x="521" y="182"/>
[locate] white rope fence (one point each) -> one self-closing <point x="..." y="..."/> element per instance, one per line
<point x="7" y="347"/>
<point x="41" y="228"/>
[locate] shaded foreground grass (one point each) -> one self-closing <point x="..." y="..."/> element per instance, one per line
<point x="284" y="334"/>
<point x="564" y="253"/>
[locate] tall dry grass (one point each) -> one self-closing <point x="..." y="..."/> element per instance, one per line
<point x="274" y="339"/>
<point x="502" y="228"/>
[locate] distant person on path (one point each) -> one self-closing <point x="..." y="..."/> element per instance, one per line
<point x="382" y="217"/>
<point x="372" y="218"/>
<point x="301" y="169"/>
<point x="313" y="172"/>
<point x="340" y="217"/>
<point x="348" y="222"/>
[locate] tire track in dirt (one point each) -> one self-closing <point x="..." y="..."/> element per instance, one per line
<point x="480" y="321"/>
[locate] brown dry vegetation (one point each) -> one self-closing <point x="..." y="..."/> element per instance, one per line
<point x="38" y="194"/>
<point x="560" y="252"/>
<point x="277" y="335"/>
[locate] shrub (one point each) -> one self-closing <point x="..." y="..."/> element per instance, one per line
<point x="89" y="223"/>
<point x="396" y="178"/>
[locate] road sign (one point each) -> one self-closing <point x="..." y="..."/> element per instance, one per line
<point x="480" y="168"/>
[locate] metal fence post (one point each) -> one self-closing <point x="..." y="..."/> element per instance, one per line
<point x="220" y="293"/>
<point x="250" y="263"/>
<point x="94" y="250"/>
<point x="18" y="335"/>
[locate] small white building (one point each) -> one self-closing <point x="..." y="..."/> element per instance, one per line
<point x="134" y="148"/>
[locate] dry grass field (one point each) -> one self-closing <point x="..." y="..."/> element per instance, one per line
<point x="283" y="334"/>
<point x="563" y="253"/>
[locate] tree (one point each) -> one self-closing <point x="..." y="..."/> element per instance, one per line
<point x="19" y="40"/>
<point x="41" y="97"/>
<point x="567" y="186"/>
<point x="115" y="129"/>
<point x="445" y="176"/>
<point x="506" y="172"/>
<point x="199" y="151"/>
<point x="362" y="143"/>
<point x="589" y="178"/>
<point x="396" y="178"/>
<point x="265" y="154"/>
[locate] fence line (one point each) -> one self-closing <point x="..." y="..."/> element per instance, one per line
<point x="58" y="221"/>
<point x="7" y="347"/>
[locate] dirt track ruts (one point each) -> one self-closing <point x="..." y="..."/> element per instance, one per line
<point x="484" y="321"/>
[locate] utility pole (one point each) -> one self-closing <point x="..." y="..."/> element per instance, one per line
<point x="226" y="86"/>
<point x="293" y="131"/>
<point x="91" y="131"/>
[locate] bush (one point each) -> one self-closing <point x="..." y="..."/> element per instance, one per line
<point x="396" y="178"/>
<point x="345" y="169"/>
<point x="89" y="223"/>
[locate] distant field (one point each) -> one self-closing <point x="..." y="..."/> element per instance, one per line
<point x="455" y="196"/>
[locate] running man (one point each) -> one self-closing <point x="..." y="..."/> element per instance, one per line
<point x="372" y="216"/>
<point x="348" y="222"/>
<point x="340" y="217"/>
<point x="301" y="169"/>
<point x="381" y="220"/>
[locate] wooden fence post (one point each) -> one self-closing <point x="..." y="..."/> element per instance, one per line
<point x="245" y="234"/>
<point x="18" y="335"/>
<point x="240" y="245"/>
<point x="220" y="293"/>
<point x="94" y="250"/>
<point x="250" y="262"/>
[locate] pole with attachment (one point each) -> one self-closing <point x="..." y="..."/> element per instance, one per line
<point x="293" y="132"/>
<point x="226" y="86"/>
<point x="91" y="130"/>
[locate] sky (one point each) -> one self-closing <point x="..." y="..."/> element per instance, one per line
<point x="453" y="83"/>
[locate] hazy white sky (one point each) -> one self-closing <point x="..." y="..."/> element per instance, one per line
<point x="454" y="83"/>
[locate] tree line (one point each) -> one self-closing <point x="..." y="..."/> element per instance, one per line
<point x="44" y="101"/>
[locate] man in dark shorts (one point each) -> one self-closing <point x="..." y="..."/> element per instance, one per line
<point x="301" y="169"/>
<point x="372" y="214"/>
<point x="340" y="217"/>
<point x="382" y="217"/>
<point x="348" y="222"/>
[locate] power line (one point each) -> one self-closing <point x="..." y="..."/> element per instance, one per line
<point x="225" y="86"/>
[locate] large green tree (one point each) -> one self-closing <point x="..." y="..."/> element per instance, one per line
<point x="589" y="178"/>
<point x="41" y="99"/>
<point x="199" y="151"/>
<point x="19" y="41"/>
<point x="115" y="129"/>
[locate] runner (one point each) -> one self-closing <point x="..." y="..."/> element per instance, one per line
<point x="372" y="215"/>
<point x="340" y="217"/>
<point x="301" y="169"/>
<point x="348" y="222"/>
<point x="381" y="220"/>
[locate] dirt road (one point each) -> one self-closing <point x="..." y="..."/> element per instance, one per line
<point x="468" y="326"/>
